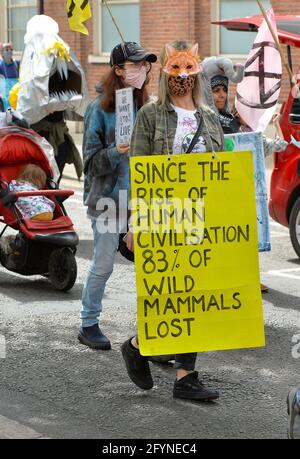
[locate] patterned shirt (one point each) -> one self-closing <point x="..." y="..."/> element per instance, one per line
<point x="31" y="205"/>
<point x="186" y="129"/>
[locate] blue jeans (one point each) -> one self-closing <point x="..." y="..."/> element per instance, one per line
<point x="105" y="248"/>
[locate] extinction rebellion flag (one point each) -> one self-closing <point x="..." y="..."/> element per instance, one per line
<point x="258" y="93"/>
<point x="78" y="12"/>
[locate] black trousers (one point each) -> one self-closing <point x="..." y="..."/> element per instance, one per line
<point x="182" y="361"/>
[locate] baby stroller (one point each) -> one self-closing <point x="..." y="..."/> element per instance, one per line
<point x="40" y="247"/>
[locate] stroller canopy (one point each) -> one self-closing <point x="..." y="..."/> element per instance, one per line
<point x="22" y="146"/>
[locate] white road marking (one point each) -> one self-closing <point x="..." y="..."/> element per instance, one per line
<point x="78" y="201"/>
<point x="14" y="430"/>
<point x="79" y="193"/>
<point x="284" y="273"/>
<point x="272" y="223"/>
<point x="279" y="234"/>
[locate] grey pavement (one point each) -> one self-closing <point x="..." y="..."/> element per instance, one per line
<point x="50" y="386"/>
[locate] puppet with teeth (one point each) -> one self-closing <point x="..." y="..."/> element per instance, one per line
<point x="51" y="77"/>
<point x="53" y="88"/>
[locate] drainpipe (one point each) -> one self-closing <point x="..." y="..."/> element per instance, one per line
<point x="42" y="7"/>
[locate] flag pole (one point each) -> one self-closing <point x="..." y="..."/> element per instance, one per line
<point x="279" y="47"/>
<point x="114" y="21"/>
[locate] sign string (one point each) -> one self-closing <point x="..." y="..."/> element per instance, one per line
<point x="114" y="21"/>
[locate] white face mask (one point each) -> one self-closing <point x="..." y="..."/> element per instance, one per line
<point x="136" y="77"/>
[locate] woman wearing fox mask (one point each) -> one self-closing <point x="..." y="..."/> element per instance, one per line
<point x="177" y="123"/>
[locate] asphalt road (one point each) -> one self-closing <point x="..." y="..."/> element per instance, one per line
<point x="50" y="386"/>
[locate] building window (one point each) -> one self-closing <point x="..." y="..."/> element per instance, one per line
<point x="232" y="42"/>
<point x="127" y="16"/>
<point x="18" y="13"/>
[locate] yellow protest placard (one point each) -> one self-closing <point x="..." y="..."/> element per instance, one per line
<point x="198" y="285"/>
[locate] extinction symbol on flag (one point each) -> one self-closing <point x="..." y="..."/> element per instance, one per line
<point x="261" y="74"/>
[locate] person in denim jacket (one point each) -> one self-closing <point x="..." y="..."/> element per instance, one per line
<point x="106" y="169"/>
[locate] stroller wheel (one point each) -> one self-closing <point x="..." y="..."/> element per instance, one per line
<point x="62" y="269"/>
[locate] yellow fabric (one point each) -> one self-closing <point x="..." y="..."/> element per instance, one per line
<point x="58" y="49"/>
<point x="78" y="12"/>
<point x="13" y="95"/>
<point x="45" y="217"/>
<point x="197" y="269"/>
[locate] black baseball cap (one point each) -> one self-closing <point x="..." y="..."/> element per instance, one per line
<point x="130" y="51"/>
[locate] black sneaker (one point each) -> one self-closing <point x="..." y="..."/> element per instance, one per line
<point x="293" y="409"/>
<point x="191" y="388"/>
<point x="137" y="366"/>
<point x="94" y="338"/>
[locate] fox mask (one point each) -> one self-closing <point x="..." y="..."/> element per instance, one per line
<point x="182" y="63"/>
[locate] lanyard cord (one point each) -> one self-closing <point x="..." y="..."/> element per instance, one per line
<point x="166" y="132"/>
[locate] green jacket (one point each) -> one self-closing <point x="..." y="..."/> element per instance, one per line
<point x="155" y="130"/>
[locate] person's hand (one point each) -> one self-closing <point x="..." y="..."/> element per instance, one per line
<point x="130" y="241"/>
<point x="123" y="148"/>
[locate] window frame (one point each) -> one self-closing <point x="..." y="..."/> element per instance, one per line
<point x="8" y="30"/>
<point x="216" y="34"/>
<point x="98" y="56"/>
<point x="3" y="25"/>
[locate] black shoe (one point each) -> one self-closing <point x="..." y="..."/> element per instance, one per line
<point x="191" y="388"/>
<point x="94" y="338"/>
<point x="137" y="366"/>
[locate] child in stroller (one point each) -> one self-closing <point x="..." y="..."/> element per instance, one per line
<point x="44" y="244"/>
<point x="33" y="178"/>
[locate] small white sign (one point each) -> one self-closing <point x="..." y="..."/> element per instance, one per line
<point x="124" y="115"/>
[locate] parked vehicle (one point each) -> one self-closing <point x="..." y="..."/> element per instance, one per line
<point x="284" y="202"/>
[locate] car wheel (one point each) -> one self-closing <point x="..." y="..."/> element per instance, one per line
<point x="295" y="226"/>
<point x="62" y="269"/>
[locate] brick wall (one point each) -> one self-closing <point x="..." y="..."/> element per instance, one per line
<point x="164" y="22"/>
<point x="161" y="22"/>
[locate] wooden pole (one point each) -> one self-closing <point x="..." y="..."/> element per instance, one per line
<point x="280" y="50"/>
<point x="114" y="21"/>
